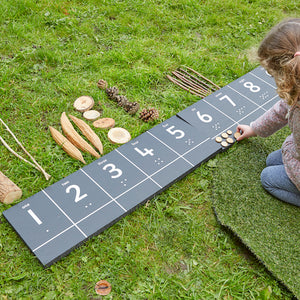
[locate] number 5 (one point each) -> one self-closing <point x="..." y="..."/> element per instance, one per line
<point x="173" y="132"/>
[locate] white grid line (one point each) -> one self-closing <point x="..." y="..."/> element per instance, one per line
<point x="274" y="87"/>
<point x="170" y="148"/>
<point x="113" y="199"/>
<point x="54" y="237"/>
<point x="63" y="212"/>
<point x="148" y="176"/>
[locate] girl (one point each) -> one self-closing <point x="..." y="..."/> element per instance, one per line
<point x="279" y="54"/>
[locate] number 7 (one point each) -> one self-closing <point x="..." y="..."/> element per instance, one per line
<point x="228" y="99"/>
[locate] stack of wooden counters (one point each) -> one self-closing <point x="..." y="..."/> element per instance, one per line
<point x="227" y="138"/>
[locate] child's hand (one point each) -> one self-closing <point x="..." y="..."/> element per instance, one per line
<point x="246" y="132"/>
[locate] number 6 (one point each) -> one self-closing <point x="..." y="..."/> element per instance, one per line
<point x="204" y="118"/>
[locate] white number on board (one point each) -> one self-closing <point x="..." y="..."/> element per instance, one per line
<point x="144" y="152"/>
<point x="176" y="131"/>
<point x="78" y="197"/>
<point x="253" y="88"/>
<point x="34" y="216"/>
<point x="204" y="118"/>
<point x="225" y="97"/>
<point x="113" y="169"/>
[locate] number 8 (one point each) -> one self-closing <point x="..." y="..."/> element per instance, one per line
<point x="253" y="88"/>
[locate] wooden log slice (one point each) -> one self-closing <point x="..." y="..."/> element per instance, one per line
<point x="9" y="191"/>
<point x="104" y="123"/>
<point x="118" y="135"/>
<point x="84" y="103"/>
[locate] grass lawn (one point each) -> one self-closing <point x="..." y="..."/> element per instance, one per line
<point x="52" y="52"/>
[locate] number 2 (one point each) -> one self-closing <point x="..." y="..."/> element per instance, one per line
<point x="78" y="197"/>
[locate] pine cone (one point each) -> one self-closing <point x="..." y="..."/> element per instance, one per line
<point x="112" y="92"/>
<point x="121" y="100"/>
<point x="102" y="84"/>
<point x="132" y="107"/>
<point x="148" y="115"/>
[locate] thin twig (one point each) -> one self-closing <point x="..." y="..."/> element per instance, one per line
<point x="36" y="165"/>
<point x="203" y="77"/>
<point x="191" y="88"/>
<point x="190" y="82"/>
<point x="16" y="154"/>
<point x="198" y="80"/>
<point x="188" y="89"/>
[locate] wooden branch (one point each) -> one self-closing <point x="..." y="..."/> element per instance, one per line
<point x="190" y="82"/>
<point x="203" y="77"/>
<point x="36" y="165"/>
<point x="9" y="191"/>
<point x="188" y="89"/>
<point x="16" y="154"/>
<point x="198" y="80"/>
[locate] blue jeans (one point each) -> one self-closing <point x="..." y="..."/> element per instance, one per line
<point x="275" y="180"/>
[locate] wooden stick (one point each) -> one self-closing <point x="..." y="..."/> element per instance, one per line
<point x="198" y="80"/>
<point x="16" y="154"/>
<point x="188" y="89"/>
<point x="9" y="191"/>
<point x="203" y="77"/>
<point x="189" y="82"/>
<point x="193" y="81"/>
<point x="36" y="165"/>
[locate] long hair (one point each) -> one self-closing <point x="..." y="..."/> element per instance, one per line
<point x="276" y="54"/>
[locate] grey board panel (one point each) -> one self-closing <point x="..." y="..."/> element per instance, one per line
<point x="114" y="173"/>
<point x="206" y="119"/>
<point x="254" y="89"/>
<point x="102" y="218"/>
<point x="186" y="140"/>
<point x="77" y="195"/>
<point x="264" y="76"/>
<point x="61" y="245"/>
<point x="38" y="220"/>
<point x="61" y="217"/>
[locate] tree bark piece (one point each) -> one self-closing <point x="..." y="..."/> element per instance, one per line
<point x="9" y="191"/>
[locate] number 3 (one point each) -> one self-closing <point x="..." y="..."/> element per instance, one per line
<point x="113" y="169"/>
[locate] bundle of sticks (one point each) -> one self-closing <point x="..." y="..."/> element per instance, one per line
<point x="193" y="82"/>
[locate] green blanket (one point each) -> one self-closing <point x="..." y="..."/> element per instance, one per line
<point x="267" y="226"/>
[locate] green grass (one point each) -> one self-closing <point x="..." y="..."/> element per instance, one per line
<point x="55" y="51"/>
<point x="266" y="225"/>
